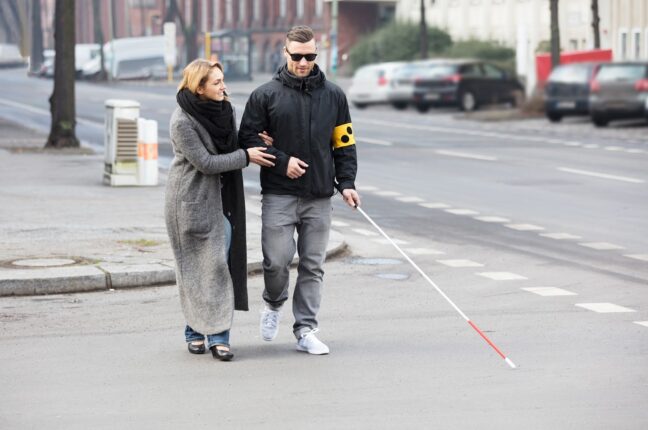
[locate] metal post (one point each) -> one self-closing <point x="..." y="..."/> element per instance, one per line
<point x="112" y="40"/>
<point x="207" y="45"/>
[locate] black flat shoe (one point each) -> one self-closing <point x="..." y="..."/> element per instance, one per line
<point x="196" y="349"/>
<point x="221" y="354"/>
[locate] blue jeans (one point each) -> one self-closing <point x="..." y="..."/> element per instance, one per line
<point x="221" y="338"/>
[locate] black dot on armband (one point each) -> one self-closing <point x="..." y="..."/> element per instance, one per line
<point x="349" y="130"/>
<point x="345" y="139"/>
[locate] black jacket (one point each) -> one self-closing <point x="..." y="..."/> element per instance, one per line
<point x="309" y="119"/>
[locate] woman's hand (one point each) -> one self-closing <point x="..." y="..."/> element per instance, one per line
<point x="258" y="156"/>
<point x="267" y="139"/>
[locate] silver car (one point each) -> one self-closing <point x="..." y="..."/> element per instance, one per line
<point x="371" y="84"/>
<point x="619" y="91"/>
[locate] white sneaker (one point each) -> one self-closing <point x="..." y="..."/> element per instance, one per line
<point x="311" y="344"/>
<point x="269" y="323"/>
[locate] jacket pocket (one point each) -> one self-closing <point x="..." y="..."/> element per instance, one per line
<point x="197" y="218"/>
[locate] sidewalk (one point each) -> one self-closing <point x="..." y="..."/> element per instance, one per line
<point x="64" y="231"/>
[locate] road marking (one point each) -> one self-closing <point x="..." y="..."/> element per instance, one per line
<point x="364" y="232"/>
<point x="572" y="144"/>
<point x="46" y="112"/>
<point x="591" y="145"/>
<point x="549" y="291"/>
<point x="460" y="263"/>
<point x="374" y="141"/>
<point x="642" y="257"/>
<point x="643" y="323"/>
<point x="465" y="155"/>
<point x="601" y="246"/>
<point x="492" y="219"/>
<point x="434" y="205"/>
<point x="560" y="236"/>
<point x="424" y="251"/>
<point x="524" y="227"/>
<point x="336" y="223"/>
<point x="604" y="308"/>
<point x="461" y="212"/>
<point x="410" y="199"/>
<point x="635" y="151"/>
<point x="387" y="242"/>
<point x="601" y="175"/>
<point x="387" y="193"/>
<point x="502" y="276"/>
<point x="613" y="148"/>
<point x="366" y="188"/>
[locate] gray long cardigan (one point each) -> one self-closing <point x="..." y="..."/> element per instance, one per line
<point x="194" y="219"/>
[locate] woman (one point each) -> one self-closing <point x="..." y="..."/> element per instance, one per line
<point x="205" y="208"/>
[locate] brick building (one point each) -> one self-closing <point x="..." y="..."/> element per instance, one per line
<point x="267" y="21"/>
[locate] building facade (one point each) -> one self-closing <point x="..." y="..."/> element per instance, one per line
<point x="267" y="22"/>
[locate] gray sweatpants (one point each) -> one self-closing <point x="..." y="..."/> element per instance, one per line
<point x="281" y="215"/>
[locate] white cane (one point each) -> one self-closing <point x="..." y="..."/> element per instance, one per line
<point x="427" y="278"/>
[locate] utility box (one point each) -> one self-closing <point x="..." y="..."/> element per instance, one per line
<point x="120" y="145"/>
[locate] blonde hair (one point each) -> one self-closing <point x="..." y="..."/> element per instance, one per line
<point x="196" y="73"/>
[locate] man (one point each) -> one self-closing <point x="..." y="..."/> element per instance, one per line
<point x="308" y="117"/>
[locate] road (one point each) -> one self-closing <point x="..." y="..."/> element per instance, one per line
<point x="538" y="232"/>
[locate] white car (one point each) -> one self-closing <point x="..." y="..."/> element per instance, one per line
<point x="372" y="83"/>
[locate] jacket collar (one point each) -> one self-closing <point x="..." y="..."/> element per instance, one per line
<point x="315" y="80"/>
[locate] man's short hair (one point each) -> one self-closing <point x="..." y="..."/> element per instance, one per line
<point x="300" y="33"/>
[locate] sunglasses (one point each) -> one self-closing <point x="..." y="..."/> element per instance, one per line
<point x="298" y="57"/>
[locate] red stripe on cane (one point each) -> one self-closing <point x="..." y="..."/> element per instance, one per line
<point x="472" y="324"/>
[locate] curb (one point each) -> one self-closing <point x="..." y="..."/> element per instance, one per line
<point x="107" y="276"/>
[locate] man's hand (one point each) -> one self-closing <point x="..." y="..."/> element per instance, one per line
<point x="296" y="168"/>
<point x="351" y="197"/>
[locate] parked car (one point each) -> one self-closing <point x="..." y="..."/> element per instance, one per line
<point x="567" y="90"/>
<point x="401" y="91"/>
<point x="618" y="91"/>
<point x="466" y="84"/>
<point x="370" y="84"/>
<point x="10" y="56"/>
<point x="134" y="58"/>
<point x="83" y="52"/>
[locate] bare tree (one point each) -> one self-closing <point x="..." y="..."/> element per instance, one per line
<point x="555" y="34"/>
<point x="188" y="31"/>
<point x="596" y="19"/>
<point x="99" y="38"/>
<point x="36" y="58"/>
<point x="62" y="103"/>
<point x="423" y="34"/>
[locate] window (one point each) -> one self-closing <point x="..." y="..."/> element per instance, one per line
<point x="216" y="14"/>
<point x="229" y="12"/>
<point x="492" y="71"/>
<point x="282" y="8"/>
<point x="471" y="71"/>
<point x="257" y="10"/>
<point x="636" y="44"/>
<point x="319" y="7"/>
<point x="623" y="45"/>
<point x="242" y="12"/>
<point x="573" y="44"/>
<point x="300" y="8"/>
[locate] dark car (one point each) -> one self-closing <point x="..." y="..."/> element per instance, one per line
<point x="619" y="91"/>
<point x="466" y="84"/>
<point x="567" y="90"/>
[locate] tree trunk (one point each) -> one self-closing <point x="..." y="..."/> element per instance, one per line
<point x="555" y="34"/>
<point x="62" y="102"/>
<point x="595" y="24"/>
<point x="189" y="32"/>
<point x="36" y="58"/>
<point x="99" y="38"/>
<point x="423" y="35"/>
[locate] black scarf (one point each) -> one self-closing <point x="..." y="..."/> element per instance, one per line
<point x="215" y="116"/>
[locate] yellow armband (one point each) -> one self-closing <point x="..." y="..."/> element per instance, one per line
<point x="343" y="136"/>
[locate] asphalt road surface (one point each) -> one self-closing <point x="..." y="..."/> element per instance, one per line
<point x="537" y="231"/>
